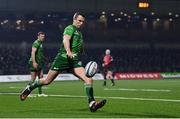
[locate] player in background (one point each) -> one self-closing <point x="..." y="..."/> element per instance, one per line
<point x="67" y="59"/>
<point x="107" y="67"/>
<point x="36" y="61"/>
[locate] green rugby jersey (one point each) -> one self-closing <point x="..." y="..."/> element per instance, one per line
<point x="39" y="52"/>
<point x="76" y="41"/>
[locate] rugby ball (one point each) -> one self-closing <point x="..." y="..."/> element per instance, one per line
<point x="91" y="68"/>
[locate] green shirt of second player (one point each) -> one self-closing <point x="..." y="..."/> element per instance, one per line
<point x="39" y="53"/>
<point x="38" y="56"/>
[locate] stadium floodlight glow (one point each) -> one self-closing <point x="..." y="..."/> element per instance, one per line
<point x="170" y="19"/>
<point x="145" y="19"/>
<point x="152" y="13"/>
<point x="119" y="19"/>
<point x="157" y="19"/>
<point x="5" y="21"/>
<point x="134" y="13"/>
<point x="31" y="21"/>
<point x="103" y="12"/>
<point x="112" y="14"/>
<point x="176" y="15"/>
<point x="115" y="20"/>
<point x="170" y="13"/>
<point x="102" y="16"/>
<point x="18" y="22"/>
<point x="42" y="22"/>
<point x="49" y="15"/>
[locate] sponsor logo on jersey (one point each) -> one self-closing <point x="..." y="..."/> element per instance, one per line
<point x="76" y="33"/>
<point x="55" y="68"/>
<point x="79" y="63"/>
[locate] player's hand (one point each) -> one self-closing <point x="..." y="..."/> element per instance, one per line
<point x="70" y="55"/>
<point x="35" y="65"/>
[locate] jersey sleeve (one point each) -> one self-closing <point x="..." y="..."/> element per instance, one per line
<point x="69" y="30"/>
<point x="35" y="45"/>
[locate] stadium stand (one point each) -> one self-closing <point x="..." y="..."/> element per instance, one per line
<point x="137" y="44"/>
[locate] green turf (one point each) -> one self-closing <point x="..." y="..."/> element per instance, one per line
<point x="62" y="107"/>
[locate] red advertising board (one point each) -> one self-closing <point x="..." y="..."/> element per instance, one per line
<point x="121" y="76"/>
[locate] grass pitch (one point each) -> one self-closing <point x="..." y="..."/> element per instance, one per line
<point x="67" y="99"/>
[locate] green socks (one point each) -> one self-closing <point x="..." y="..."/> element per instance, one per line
<point x="40" y="89"/>
<point x="89" y="92"/>
<point x="30" y="82"/>
<point x="35" y="84"/>
<point x="112" y="80"/>
<point x="104" y="82"/>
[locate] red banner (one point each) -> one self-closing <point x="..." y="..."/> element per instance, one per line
<point x="121" y="76"/>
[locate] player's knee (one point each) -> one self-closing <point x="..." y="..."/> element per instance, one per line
<point x="88" y="80"/>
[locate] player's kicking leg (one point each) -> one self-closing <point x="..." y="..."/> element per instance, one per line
<point x="93" y="105"/>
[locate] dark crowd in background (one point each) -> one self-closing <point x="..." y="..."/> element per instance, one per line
<point x="138" y="43"/>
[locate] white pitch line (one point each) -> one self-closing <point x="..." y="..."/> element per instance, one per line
<point x="16" y="87"/>
<point x="23" y="87"/>
<point x="125" y="89"/>
<point x="118" y="98"/>
<point x="9" y="93"/>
